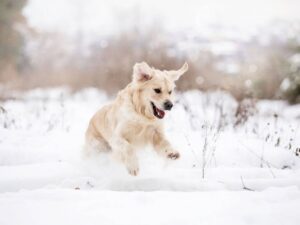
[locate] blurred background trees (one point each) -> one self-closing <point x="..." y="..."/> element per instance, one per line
<point x="290" y="87"/>
<point x="260" y="64"/>
<point x="11" y="39"/>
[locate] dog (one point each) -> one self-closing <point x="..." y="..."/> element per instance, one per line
<point x="135" y="118"/>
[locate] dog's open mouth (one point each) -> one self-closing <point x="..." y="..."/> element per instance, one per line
<point x="157" y="112"/>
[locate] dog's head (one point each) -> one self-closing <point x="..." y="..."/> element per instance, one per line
<point x="155" y="89"/>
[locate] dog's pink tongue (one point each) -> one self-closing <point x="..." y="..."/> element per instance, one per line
<point x="161" y="113"/>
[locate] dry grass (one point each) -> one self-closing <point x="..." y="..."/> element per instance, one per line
<point x="108" y="65"/>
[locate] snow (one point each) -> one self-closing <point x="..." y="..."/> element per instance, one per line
<point x="248" y="174"/>
<point x="273" y="206"/>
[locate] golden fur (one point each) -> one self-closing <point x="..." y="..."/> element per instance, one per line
<point x="130" y="123"/>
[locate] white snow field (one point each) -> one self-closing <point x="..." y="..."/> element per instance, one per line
<point x="231" y="175"/>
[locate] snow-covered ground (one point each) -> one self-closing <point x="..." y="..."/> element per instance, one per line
<point x="243" y="174"/>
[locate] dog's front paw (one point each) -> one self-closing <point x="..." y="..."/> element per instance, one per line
<point x="133" y="168"/>
<point x="173" y="155"/>
<point x="133" y="171"/>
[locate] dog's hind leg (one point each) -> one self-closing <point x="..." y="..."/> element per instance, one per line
<point x="95" y="144"/>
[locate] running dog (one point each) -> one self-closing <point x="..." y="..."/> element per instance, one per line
<point x="135" y="118"/>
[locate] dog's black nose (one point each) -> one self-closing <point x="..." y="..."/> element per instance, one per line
<point x="168" y="105"/>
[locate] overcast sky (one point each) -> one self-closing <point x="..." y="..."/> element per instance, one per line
<point x="104" y="17"/>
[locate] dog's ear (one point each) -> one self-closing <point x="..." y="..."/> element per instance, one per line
<point x="176" y="74"/>
<point x="142" y="72"/>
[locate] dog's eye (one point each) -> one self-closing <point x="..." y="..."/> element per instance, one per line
<point x="157" y="90"/>
<point x="170" y="92"/>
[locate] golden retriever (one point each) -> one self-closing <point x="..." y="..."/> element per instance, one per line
<point x="134" y="119"/>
